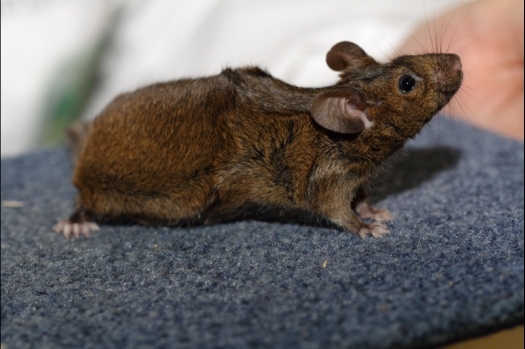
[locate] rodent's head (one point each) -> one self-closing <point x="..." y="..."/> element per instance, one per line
<point x="403" y="94"/>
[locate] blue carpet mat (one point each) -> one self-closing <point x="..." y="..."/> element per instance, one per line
<point x="452" y="267"/>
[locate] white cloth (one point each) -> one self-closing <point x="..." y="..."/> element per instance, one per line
<point x="159" y="40"/>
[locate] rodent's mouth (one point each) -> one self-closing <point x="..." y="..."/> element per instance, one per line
<point x="446" y="97"/>
<point x="449" y="89"/>
<point x="449" y="94"/>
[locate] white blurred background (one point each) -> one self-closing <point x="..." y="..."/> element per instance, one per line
<point x="63" y="60"/>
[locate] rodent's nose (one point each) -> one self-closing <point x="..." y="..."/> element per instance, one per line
<point x="454" y="62"/>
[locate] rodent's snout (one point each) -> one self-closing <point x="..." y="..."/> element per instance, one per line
<point x="448" y="75"/>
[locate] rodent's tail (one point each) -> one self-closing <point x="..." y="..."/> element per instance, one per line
<point x="76" y="134"/>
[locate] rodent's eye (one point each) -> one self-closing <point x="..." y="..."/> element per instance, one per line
<point x="407" y="83"/>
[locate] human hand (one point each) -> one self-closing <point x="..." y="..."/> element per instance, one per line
<point x="488" y="35"/>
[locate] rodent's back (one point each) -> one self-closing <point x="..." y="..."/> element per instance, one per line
<point x="176" y="148"/>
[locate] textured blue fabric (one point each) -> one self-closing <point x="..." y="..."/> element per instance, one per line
<point x="452" y="268"/>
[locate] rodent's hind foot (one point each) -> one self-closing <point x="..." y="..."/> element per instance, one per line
<point x="375" y="229"/>
<point x="67" y="228"/>
<point x="78" y="223"/>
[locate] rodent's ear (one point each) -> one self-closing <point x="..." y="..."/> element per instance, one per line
<point x="346" y="54"/>
<point x="340" y="111"/>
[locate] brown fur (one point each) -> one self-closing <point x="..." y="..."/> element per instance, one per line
<point x="204" y="150"/>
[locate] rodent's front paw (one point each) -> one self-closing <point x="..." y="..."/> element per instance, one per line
<point x="375" y="229"/>
<point x="382" y="215"/>
<point x="67" y="227"/>
<point x="365" y="211"/>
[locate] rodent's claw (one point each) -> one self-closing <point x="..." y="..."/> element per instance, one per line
<point x="66" y="227"/>
<point x="375" y="229"/>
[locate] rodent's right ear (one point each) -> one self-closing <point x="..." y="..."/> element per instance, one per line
<point x="340" y="111"/>
<point x="346" y="54"/>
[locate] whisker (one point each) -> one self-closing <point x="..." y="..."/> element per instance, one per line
<point x="383" y="35"/>
<point x="461" y="101"/>
<point x="466" y="49"/>
<point x="447" y="24"/>
<point x="473" y="97"/>
<point x="378" y="47"/>
<point x="428" y="29"/>
<point x="466" y="89"/>
<point x="424" y="50"/>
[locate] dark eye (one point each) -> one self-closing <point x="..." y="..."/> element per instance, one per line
<point x="406" y="83"/>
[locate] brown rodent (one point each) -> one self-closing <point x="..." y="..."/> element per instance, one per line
<point x="201" y="151"/>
